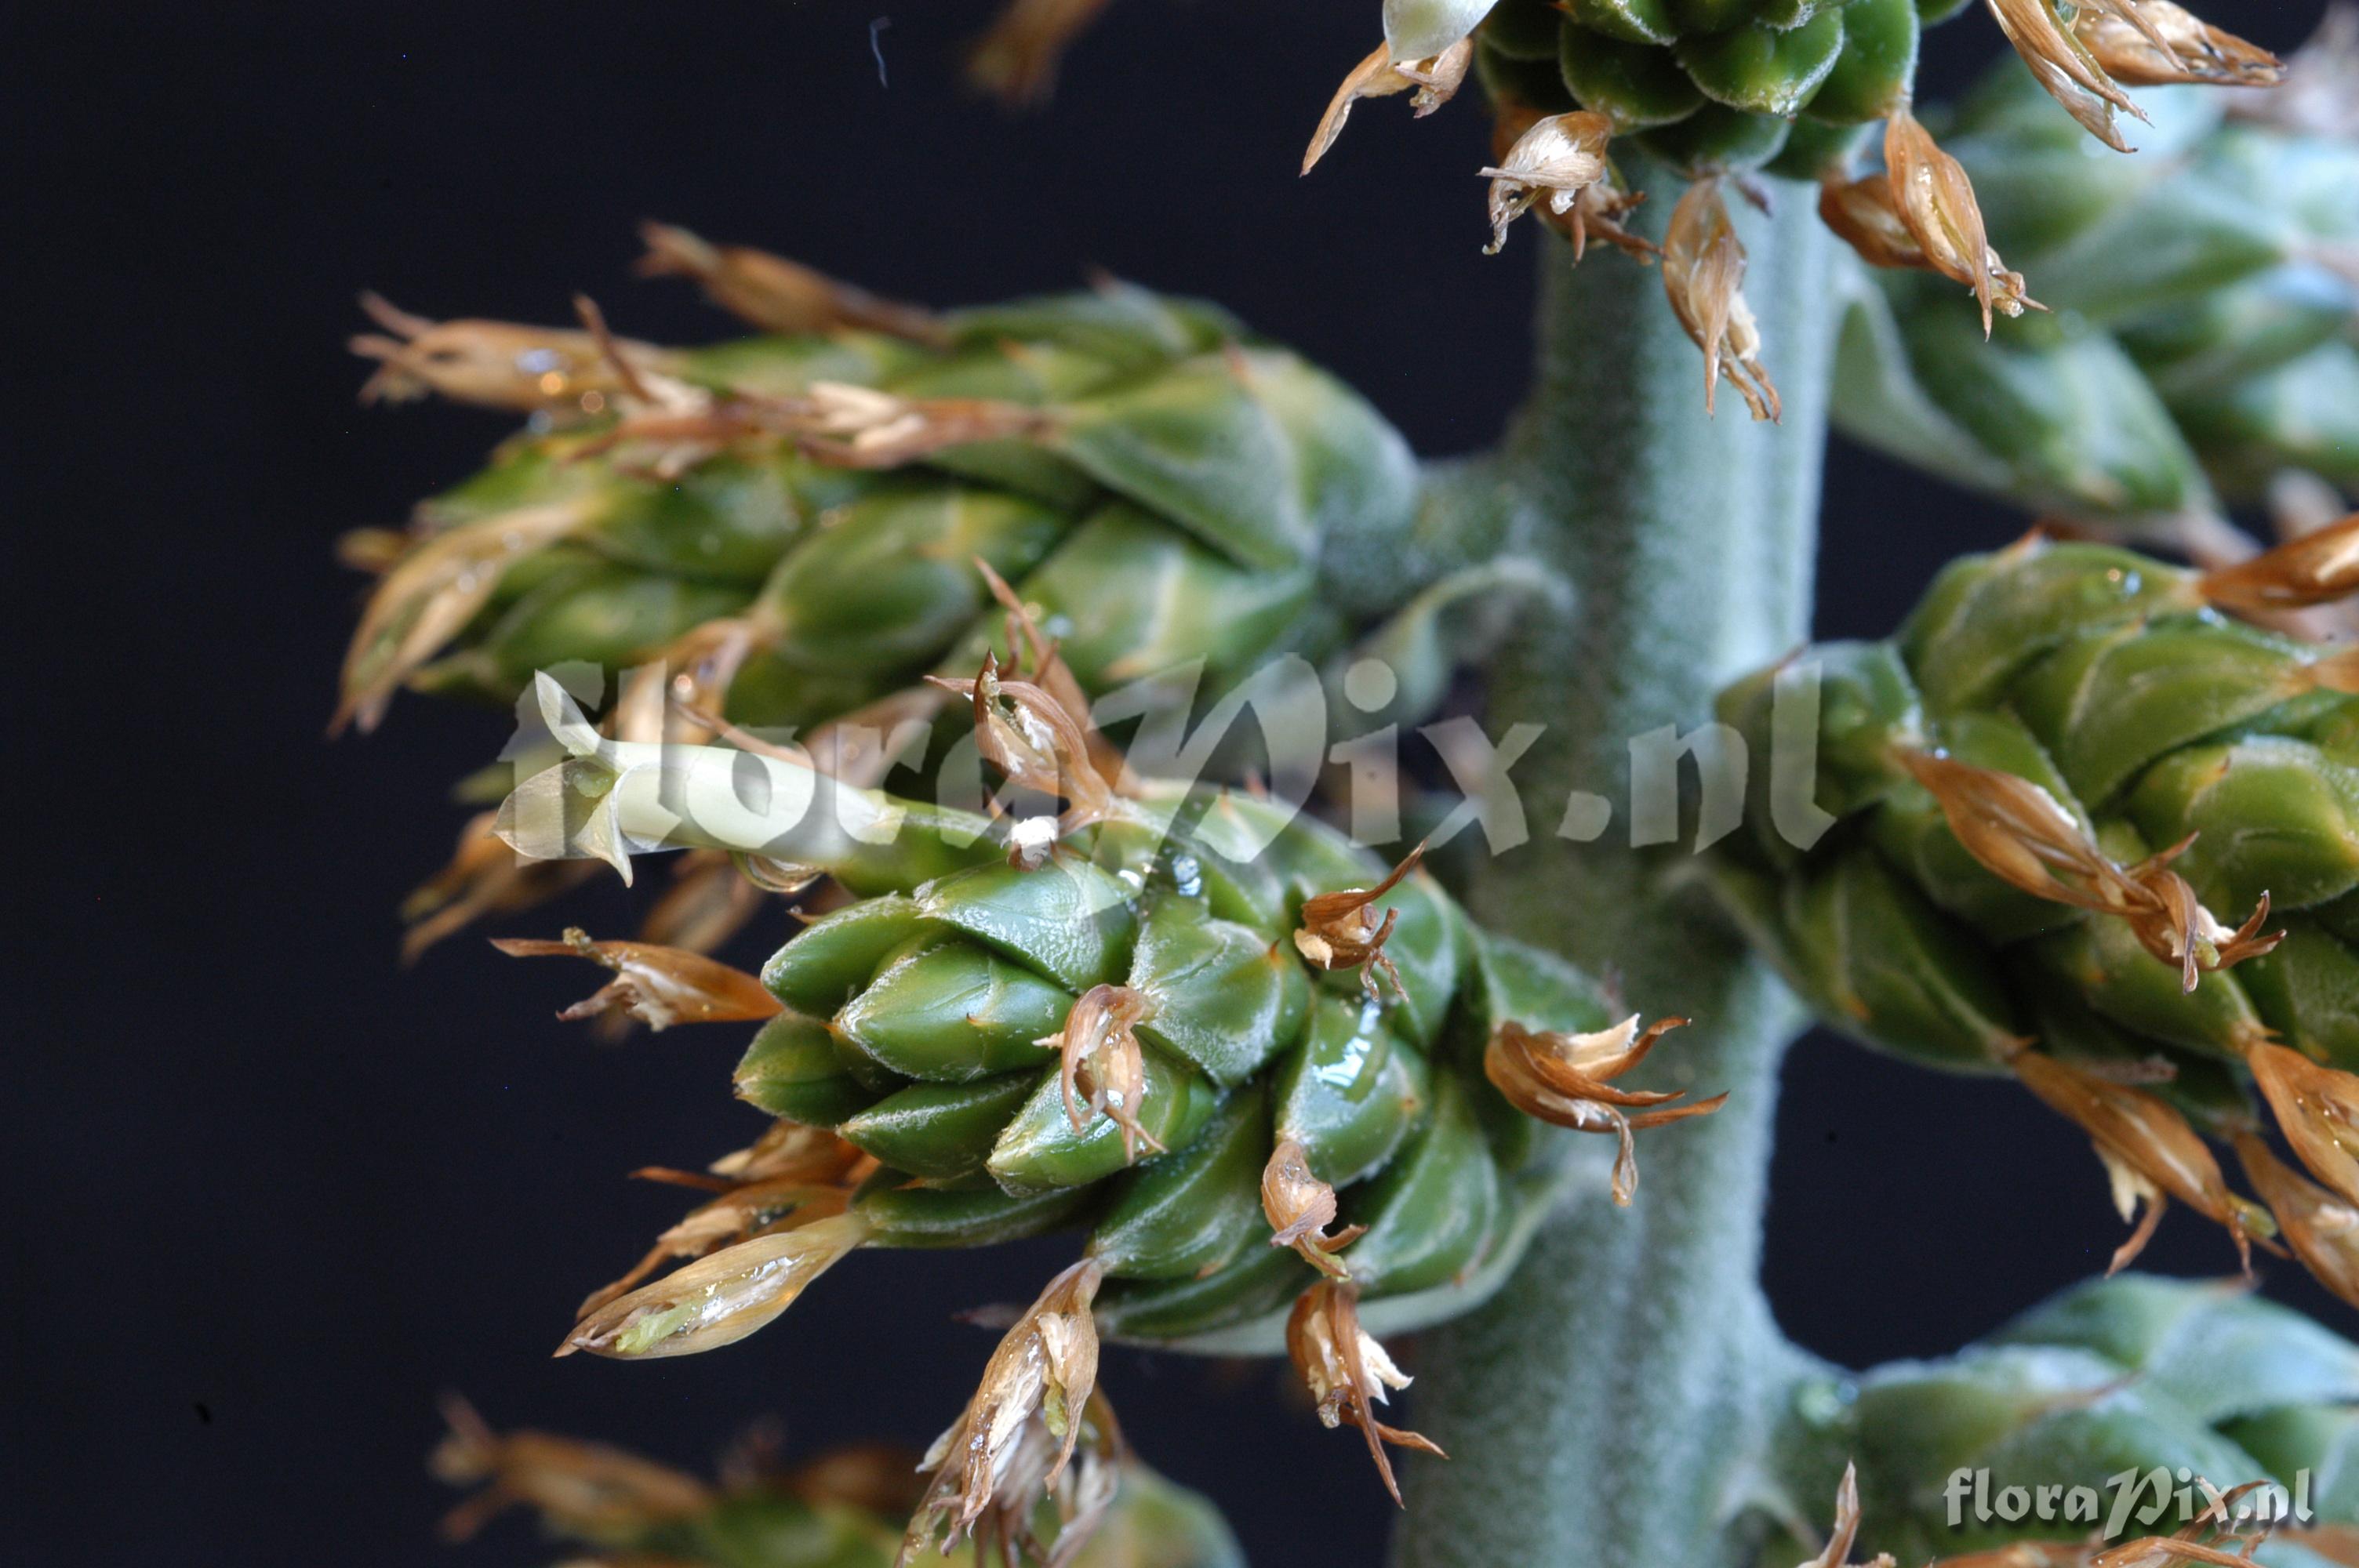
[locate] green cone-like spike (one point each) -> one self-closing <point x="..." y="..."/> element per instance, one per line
<point x="2130" y="1373"/>
<point x="1352" y="1090"/>
<point x="1192" y="1214"/>
<point x="2198" y="348"/>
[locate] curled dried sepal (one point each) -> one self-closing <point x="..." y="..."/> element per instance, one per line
<point x="2152" y="43"/>
<point x="1026" y="733"/>
<point x="1339" y="930"/>
<point x="498" y="364"/>
<point x="2318" y="567"/>
<point x="2320" y="1229"/>
<point x="2024" y="836"/>
<point x="1565" y="1079"/>
<point x="719" y="1299"/>
<point x="2063" y="65"/>
<point x="483" y="877"/>
<point x="1102" y="1067"/>
<point x="2316" y="1109"/>
<point x="1435" y="78"/>
<point x="1012" y="1444"/>
<point x="430" y="595"/>
<point x="583" y="1488"/>
<point x="658" y="986"/>
<point x="776" y="294"/>
<point x="2149" y="1152"/>
<point x="1347" y="1371"/>
<point x="1299" y="1208"/>
<point x="1016" y="60"/>
<point x="1558" y="157"/>
<point x="1703" y="272"/>
<point x="1935" y="202"/>
<point x="1837" y="1553"/>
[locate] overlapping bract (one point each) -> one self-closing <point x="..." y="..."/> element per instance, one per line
<point x="2132" y="1373"/>
<point x="2087" y="829"/>
<point x="2205" y="335"/>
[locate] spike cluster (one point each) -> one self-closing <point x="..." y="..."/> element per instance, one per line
<point x="2075" y="824"/>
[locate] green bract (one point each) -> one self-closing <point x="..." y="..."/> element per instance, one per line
<point x="1709" y="85"/>
<point x="2203" y="335"/>
<point x="2131" y="1373"/>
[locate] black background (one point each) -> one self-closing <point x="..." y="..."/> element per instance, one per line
<point x="281" y="1191"/>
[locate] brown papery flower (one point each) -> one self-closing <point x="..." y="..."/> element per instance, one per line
<point x="778" y="294"/>
<point x="484" y="876"/>
<point x="2152" y="43"/>
<point x="1436" y="81"/>
<point x="1703" y="272"/>
<point x="720" y="1297"/>
<point x="1341" y="931"/>
<point x="1935" y="202"/>
<point x="1012" y="1444"/>
<point x="1104" y="1067"/>
<point x="1028" y="735"/>
<point x="2321" y="1229"/>
<point x="1347" y="1371"/>
<point x="2024" y="836"/>
<point x="585" y="1487"/>
<point x="2316" y="568"/>
<point x="1558" y="157"/>
<point x="1565" y="1079"/>
<point x="658" y="986"/>
<point x="2317" y="1108"/>
<point x="1299" y="1208"/>
<point x="2150" y="1154"/>
<point x="2063" y="65"/>
<point x="495" y="365"/>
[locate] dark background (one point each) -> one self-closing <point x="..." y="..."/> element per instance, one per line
<point x="281" y="1192"/>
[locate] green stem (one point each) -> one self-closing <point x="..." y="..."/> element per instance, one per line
<point x="1610" y="1405"/>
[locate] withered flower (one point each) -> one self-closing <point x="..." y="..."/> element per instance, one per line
<point x="1347" y="1371"/>
<point x="586" y="1489"/>
<point x="2152" y="43"/>
<point x="2321" y="1229"/>
<point x="1703" y="272"/>
<point x="498" y="364"/>
<point x="484" y="876"/>
<point x="658" y="986"/>
<point x="1565" y="1079"/>
<point x="2025" y="836"/>
<point x="786" y="1149"/>
<point x="1435" y="78"/>
<point x="1558" y="157"/>
<point x="1104" y="1068"/>
<point x="743" y="1211"/>
<point x="1016" y="60"/>
<point x="2318" y="567"/>
<point x="1863" y="214"/>
<point x="1012" y="1444"/>
<point x="778" y="294"/>
<point x="719" y="1298"/>
<point x="1596" y="210"/>
<point x="1339" y="930"/>
<point x="430" y="595"/>
<point x="2205" y="1538"/>
<point x="1936" y="203"/>
<point x="2150" y="1154"/>
<point x="1837" y="1553"/>
<point x="1299" y="1208"/>
<point x="859" y="426"/>
<point x="2063" y="65"/>
<point x="2317" y="1108"/>
<point x="1028" y="735"/>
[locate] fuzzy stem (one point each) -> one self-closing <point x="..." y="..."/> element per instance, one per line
<point x="1611" y="1403"/>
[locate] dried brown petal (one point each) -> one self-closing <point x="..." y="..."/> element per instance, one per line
<point x="778" y="294"/>
<point x="2316" y="1109"/>
<point x="1558" y="157"/>
<point x="2321" y="1228"/>
<point x="719" y="1298"/>
<point x="2151" y="1153"/>
<point x="2064" y="66"/>
<point x="658" y="986"/>
<point x="1299" y="1208"/>
<point x="1436" y="79"/>
<point x="1703" y="272"/>
<point x="790" y="1148"/>
<point x="1347" y="1371"/>
<point x="584" y="1489"/>
<point x="2318" y="567"/>
<point x="1935" y="201"/>
<point x="1339" y="930"/>
<point x="739" y="1213"/>
<point x="498" y="364"/>
<point x="2152" y="43"/>
<point x="1837" y="1553"/>
<point x="1563" y="1079"/>
<point x="1014" y="1440"/>
<point x="1015" y="62"/>
<point x="1862" y="214"/>
<point x="1103" y="1069"/>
